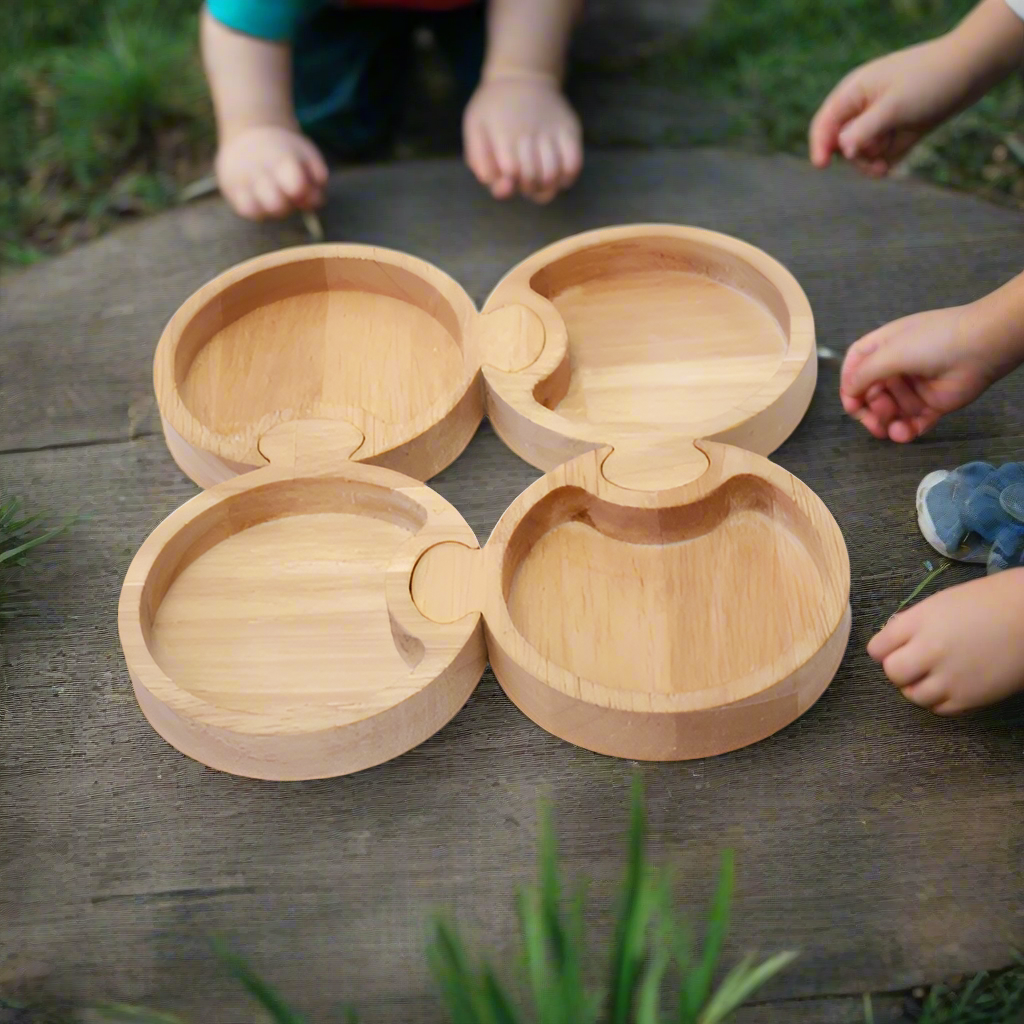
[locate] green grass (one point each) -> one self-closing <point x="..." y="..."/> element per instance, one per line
<point x="988" y="998"/>
<point x="655" y="973"/>
<point x="653" y="962"/>
<point x="20" y="535"/>
<point x="106" y="115"/>
<point x="772" y="64"/>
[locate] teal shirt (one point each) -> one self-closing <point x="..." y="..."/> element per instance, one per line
<point x="274" y="20"/>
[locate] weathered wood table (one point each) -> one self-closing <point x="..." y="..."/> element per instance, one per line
<point x="884" y="843"/>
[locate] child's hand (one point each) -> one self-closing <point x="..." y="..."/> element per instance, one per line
<point x="521" y="134"/>
<point x="960" y="649"/>
<point x="899" y="380"/>
<point x="269" y="172"/>
<point x="880" y="111"/>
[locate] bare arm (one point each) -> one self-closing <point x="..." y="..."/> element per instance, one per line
<point x="997" y="321"/>
<point x="991" y="38"/>
<point x="528" y="37"/>
<point x="265" y="166"/>
<point x="882" y="109"/>
<point x="250" y="80"/>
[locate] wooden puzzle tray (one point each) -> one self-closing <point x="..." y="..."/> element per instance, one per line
<point x="663" y="592"/>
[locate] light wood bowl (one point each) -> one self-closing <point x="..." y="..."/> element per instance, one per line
<point x="358" y="334"/>
<point x="664" y="592"/>
<point x="655" y="625"/>
<point x="261" y="623"/>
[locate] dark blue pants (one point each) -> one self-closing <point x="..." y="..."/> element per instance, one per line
<point x="352" y="68"/>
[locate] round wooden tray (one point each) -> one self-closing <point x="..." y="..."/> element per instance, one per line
<point x="262" y="622"/>
<point x="654" y="333"/>
<point x="655" y="625"/>
<point x="659" y="594"/>
<point x="379" y="340"/>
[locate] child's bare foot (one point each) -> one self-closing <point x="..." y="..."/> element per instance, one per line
<point x="269" y="172"/>
<point x="522" y="135"/>
<point x="960" y="649"/>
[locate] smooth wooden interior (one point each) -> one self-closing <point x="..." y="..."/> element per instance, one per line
<point x="665" y="600"/>
<point x="310" y="337"/>
<point x="662" y="331"/>
<point x="276" y="600"/>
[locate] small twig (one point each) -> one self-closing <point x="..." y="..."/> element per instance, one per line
<point x="208" y="186"/>
<point x="313" y="225"/>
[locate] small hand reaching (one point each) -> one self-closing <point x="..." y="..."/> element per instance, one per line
<point x="960" y="649"/>
<point x="522" y="135"/>
<point x="900" y="380"/>
<point x="882" y="109"/>
<point x="269" y="172"/>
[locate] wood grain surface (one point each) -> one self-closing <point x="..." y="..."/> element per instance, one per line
<point x="883" y="842"/>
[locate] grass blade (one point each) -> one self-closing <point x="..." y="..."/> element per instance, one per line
<point x="538" y="970"/>
<point x="963" y="1004"/>
<point x="502" y="1010"/>
<point x="553" y="947"/>
<point x="8" y="510"/>
<point x="262" y="992"/>
<point x="627" y="956"/>
<point x="648" y="1009"/>
<point x="12" y="554"/>
<point x="740" y="984"/>
<point x="577" y="1001"/>
<point x="932" y="575"/>
<point x="469" y="1001"/>
<point x="697" y="981"/>
<point x="550" y="891"/>
<point x="931" y="1009"/>
<point x="9" y="525"/>
<point x="450" y="970"/>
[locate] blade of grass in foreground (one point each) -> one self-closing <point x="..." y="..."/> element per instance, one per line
<point x="697" y="981"/>
<point x="631" y="927"/>
<point x="740" y="984"/>
<point x="264" y="994"/>
<point x="13" y="554"/>
<point x="648" y="1009"/>
<point x="569" y="1002"/>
